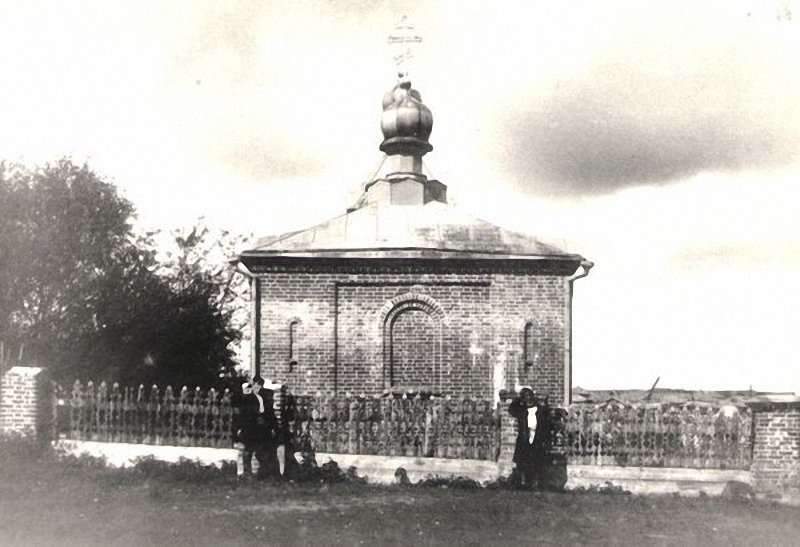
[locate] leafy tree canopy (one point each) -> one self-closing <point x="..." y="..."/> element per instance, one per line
<point x="83" y="294"/>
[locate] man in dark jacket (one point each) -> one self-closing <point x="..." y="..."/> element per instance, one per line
<point x="259" y="430"/>
<point x="533" y="432"/>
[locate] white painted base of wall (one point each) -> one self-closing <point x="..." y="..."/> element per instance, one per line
<point x="377" y="469"/>
<point x="125" y="455"/>
<point x="657" y="480"/>
<point x="381" y="469"/>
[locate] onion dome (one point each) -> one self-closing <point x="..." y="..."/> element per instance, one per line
<point x="406" y="122"/>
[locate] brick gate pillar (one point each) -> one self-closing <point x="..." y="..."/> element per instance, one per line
<point x="26" y="405"/>
<point x="508" y="434"/>
<point x="776" y="449"/>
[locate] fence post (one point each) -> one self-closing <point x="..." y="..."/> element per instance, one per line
<point x="26" y="403"/>
<point x="776" y="449"/>
<point x="508" y="434"/>
<point x="352" y="426"/>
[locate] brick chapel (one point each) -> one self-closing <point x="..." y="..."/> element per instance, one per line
<point x="407" y="293"/>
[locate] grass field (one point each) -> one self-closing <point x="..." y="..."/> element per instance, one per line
<point x="46" y="502"/>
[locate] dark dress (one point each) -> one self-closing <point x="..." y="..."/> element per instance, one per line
<point x="260" y="433"/>
<point x="530" y="458"/>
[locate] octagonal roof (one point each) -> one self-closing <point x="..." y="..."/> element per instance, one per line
<point x="433" y="230"/>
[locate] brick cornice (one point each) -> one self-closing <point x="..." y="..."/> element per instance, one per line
<point x="272" y="264"/>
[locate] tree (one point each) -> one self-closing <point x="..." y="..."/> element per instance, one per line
<point x="203" y="255"/>
<point x="86" y="296"/>
<point x="62" y="230"/>
<point x="184" y="321"/>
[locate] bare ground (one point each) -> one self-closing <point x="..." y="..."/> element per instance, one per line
<point x="45" y="502"/>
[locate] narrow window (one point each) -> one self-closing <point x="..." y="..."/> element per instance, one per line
<point x="292" y="345"/>
<point x="529" y="345"/>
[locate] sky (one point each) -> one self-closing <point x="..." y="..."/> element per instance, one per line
<point x="661" y="140"/>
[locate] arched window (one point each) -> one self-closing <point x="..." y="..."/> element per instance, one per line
<point x="412" y="342"/>
<point x="529" y="344"/>
<point x="293" y="345"/>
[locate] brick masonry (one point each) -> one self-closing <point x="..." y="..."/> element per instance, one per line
<point x="448" y="332"/>
<point x="25" y="405"/>
<point x="776" y="448"/>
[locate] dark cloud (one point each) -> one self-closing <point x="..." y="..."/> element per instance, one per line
<point x="622" y="127"/>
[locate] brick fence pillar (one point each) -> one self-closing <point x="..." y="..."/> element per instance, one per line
<point x="508" y="434"/>
<point x="776" y="449"/>
<point x="26" y="403"/>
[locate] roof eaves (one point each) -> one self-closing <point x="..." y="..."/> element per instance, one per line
<point x="468" y="253"/>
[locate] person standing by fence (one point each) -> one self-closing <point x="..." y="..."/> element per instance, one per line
<point x="530" y="452"/>
<point x="259" y="430"/>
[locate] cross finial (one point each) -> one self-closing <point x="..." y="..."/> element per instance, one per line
<point x="400" y="42"/>
<point x="783" y="12"/>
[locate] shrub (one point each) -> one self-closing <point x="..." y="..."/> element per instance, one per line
<point x="330" y="472"/>
<point x="449" y="482"/>
<point x="606" y="488"/>
<point x="82" y="462"/>
<point x="185" y="470"/>
<point x="18" y="447"/>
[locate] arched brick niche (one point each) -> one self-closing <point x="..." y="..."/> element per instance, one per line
<point x="412" y="342"/>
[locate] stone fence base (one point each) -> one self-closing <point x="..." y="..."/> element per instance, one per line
<point x="125" y="454"/>
<point x="657" y="480"/>
<point x="382" y="469"/>
<point x="376" y="469"/>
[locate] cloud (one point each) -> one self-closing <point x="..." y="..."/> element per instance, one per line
<point x="657" y="110"/>
<point x="257" y="89"/>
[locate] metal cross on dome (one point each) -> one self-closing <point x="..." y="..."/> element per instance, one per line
<point x="400" y="41"/>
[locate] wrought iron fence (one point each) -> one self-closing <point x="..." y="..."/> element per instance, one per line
<point x="652" y="435"/>
<point x="138" y="415"/>
<point x="401" y="426"/>
<point x="659" y="435"/>
<point x="422" y="427"/>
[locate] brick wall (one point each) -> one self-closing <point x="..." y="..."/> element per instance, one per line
<point x="541" y="301"/>
<point x="25" y="402"/>
<point x="354" y="330"/>
<point x="776" y="448"/>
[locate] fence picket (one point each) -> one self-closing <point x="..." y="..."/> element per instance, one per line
<point x="691" y="435"/>
<point x="658" y="436"/>
<point x="154" y="424"/>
